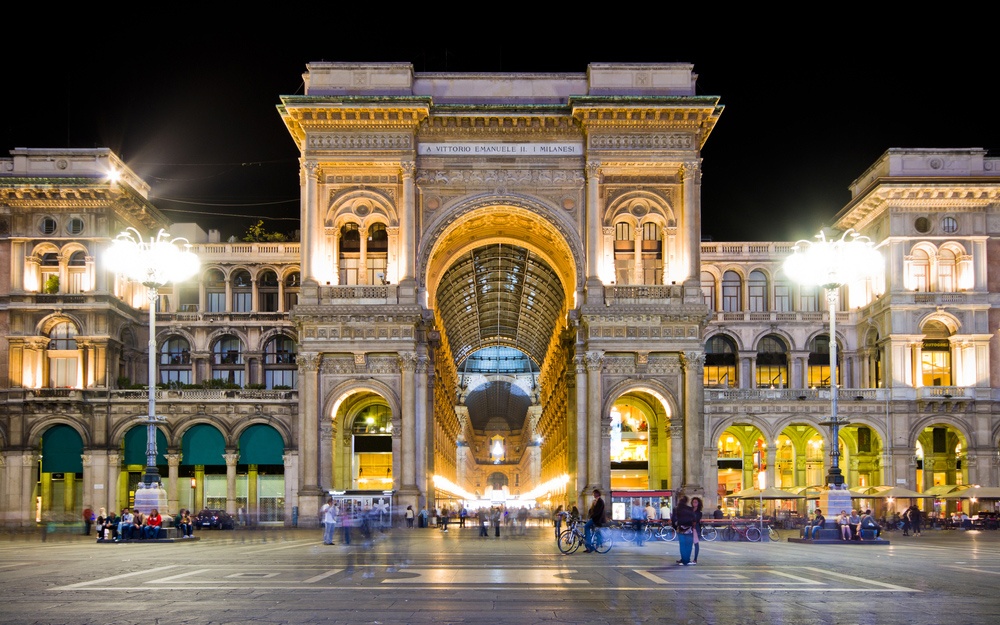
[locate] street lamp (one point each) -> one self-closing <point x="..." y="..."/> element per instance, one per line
<point x="832" y="264"/>
<point x="152" y="263"/>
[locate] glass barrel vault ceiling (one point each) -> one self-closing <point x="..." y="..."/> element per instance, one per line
<point x="499" y="296"/>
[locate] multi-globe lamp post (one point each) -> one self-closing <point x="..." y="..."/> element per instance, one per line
<point x="830" y="264"/>
<point x="153" y="263"/>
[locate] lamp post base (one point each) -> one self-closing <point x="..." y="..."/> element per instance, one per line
<point x="833" y="500"/>
<point x="149" y="496"/>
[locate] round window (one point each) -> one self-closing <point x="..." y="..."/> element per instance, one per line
<point x="75" y="226"/>
<point x="47" y="225"/>
<point x="923" y="225"/>
<point x="949" y="225"/>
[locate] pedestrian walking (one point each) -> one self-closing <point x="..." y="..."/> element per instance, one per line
<point x="557" y="520"/>
<point x="915" y="518"/>
<point x="484" y="521"/>
<point x="638" y="516"/>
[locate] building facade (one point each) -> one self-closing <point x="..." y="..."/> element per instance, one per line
<point x="500" y="295"/>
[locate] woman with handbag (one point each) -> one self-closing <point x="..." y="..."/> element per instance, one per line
<point x="696" y="506"/>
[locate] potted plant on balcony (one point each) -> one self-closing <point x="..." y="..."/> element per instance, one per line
<point x="51" y="285"/>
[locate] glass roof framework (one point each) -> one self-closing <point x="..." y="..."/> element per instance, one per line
<point x="504" y="296"/>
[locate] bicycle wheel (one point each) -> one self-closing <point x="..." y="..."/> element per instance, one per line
<point x="772" y="534"/>
<point x="603" y="539"/>
<point x="709" y="533"/>
<point x="647" y="534"/>
<point x="753" y="534"/>
<point x="668" y="533"/>
<point x="569" y="541"/>
<point x="628" y="533"/>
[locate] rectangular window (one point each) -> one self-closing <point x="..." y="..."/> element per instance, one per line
<point x="62" y="372"/>
<point x="269" y="302"/>
<point x="349" y="271"/>
<point x="175" y="376"/>
<point x="808" y="301"/>
<point x="730" y="297"/>
<point x="757" y="295"/>
<point x="280" y="377"/>
<point x="782" y="297"/>
<point x="242" y="301"/>
<point x="216" y="301"/>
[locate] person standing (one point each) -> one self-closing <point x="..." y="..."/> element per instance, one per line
<point x="683" y="520"/>
<point x="915" y="518"/>
<point x="408" y="515"/>
<point x="88" y="520"/>
<point x="463" y="513"/>
<point x="696" y="540"/>
<point x="445" y="515"/>
<point x="497" y="515"/>
<point x="328" y="516"/>
<point x="638" y="515"/>
<point x="557" y="520"/>
<point x="423" y="516"/>
<point x="595" y="519"/>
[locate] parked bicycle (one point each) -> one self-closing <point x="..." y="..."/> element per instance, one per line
<point x="572" y="538"/>
<point x="628" y="531"/>
<point x="744" y="531"/>
<point x="708" y="532"/>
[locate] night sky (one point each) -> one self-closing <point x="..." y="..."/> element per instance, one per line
<point x="194" y="113"/>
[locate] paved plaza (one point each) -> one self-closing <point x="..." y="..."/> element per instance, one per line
<point x="288" y="576"/>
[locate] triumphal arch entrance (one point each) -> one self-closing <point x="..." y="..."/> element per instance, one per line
<point x="500" y="298"/>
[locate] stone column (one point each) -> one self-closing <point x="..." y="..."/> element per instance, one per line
<point x="691" y="216"/>
<point x="407" y="225"/>
<point x="410" y="404"/>
<point x="231" y="459"/>
<point x="327" y="451"/>
<point x="173" y="498"/>
<point x="309" y="407"/>
<point x="693" y="364"/>
<point x="114" y="471"/>
<point x="336" y="257"/>
<point x="312" y="230"/>
<point x="596" y="430"/>
<point x="637" y="273"/>
<point x="579" y="434"/>
<point x="363" y="258"/>
<point x="593" y="226"/>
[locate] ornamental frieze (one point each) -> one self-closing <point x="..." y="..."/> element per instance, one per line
<point x="360" y="141"/>
<point x="659" y="141"/>
<point x="338" y="364"/>
<point x="363" y="332"/>
<point x="508" y="126"/>
<point x="499" y="176"/>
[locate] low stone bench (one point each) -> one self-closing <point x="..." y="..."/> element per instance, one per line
<point x="831" y="536"/>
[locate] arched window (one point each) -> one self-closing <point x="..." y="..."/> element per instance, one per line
<point x="624" y="252"/>
<point x="242" y="291"/>
<point x="720" y="362"/>
<point x="708" y="290"/>
<point x="227" y="365"/>
<point x="372" y="430"/>
<point x="935" y="355"/>
<point x="731" y="296"/>
<point x="76" y="273"/>
<point x="292" y="284"/>
<point x="350" y="253"/>
<point x="215" y="291"/>
<point x="918" y="270"/>
<point x="63" y="356"/>
<point x="782" y="295"/>
<point x="267" y="291"/>
<point x="757" y="291"/>
<point x="946" y="271"/>
<point x="280" y="369"/>
<point x="772" y="363"/>
<point x="818" y="375"/>
<point x="652" y="254"/>
<point x="378" y="238"/>
<point x="175" y="361"/>
<point x="376" y="253"/>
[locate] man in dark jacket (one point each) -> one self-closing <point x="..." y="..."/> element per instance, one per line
<point x="683" y="521"/>
<point x="595" y="519"/>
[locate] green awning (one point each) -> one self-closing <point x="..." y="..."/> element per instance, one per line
<point x="261" y="444"/>
<point x="62" y="450"/>
<point x="135" y="446"/>
<point x="204" y="445"/>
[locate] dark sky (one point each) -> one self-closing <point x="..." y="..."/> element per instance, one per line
<point x="805" y="114"/>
